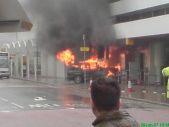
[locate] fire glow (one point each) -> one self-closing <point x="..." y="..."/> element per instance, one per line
<point x="109" y="74"/>
<point x="93" y="63"/>
<point x="66" y="56"/>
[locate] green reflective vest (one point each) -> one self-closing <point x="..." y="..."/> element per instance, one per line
<point x="165" y="73"/>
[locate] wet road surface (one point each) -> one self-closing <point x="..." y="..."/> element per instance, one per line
<point x="30" y="104"/>
<point x="23" y="95"/>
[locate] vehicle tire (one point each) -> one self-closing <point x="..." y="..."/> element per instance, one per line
<point x="78" y="79"/>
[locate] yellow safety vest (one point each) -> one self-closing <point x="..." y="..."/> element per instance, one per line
<point x="168" y="88"/>
<point x="165" y="72"/>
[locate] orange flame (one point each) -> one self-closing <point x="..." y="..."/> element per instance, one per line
<point x="118" y="67"/>
<point x="109" y="74"/>
<point x="93" y="63"/>
<point x="66" y="56"/>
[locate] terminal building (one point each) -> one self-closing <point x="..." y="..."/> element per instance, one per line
<point x="141" y="30"/>
<point x="142" y="27"/>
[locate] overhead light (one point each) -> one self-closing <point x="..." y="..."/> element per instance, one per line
<point x="19" y="44"/>
<point x="13" y="44"/>
<point x="8" y="46"/>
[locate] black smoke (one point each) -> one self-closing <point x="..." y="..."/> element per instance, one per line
<point x="62" y="23"/>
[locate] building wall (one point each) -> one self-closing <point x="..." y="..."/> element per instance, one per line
<point x="50" y="67"/>
<point x="155" y="56"/>
<point x="144" y="27"/>
<point x="156" y="53"/>
<point x="126" y="6"/>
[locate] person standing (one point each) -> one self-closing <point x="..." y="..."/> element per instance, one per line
<point x="165" y="73"/>
<point x="105" y="98"/>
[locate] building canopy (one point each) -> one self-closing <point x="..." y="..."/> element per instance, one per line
<point x="13" y="17"/>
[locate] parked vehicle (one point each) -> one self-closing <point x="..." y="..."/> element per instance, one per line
<point x="77" y="74"/>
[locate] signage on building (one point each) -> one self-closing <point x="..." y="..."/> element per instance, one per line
<point x="129" y="42"/>
<point x="84" y="49"/>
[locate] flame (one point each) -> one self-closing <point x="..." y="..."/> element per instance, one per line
<point x="109" y="74"/>
<point x="93" y="63"/>
<point x="118" y="67"/>
<point x="66" y="56"/>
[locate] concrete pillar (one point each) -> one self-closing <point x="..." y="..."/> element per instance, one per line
<point x="51" y="65"/>
<point x="11" y="66"/>
<point x="21" y="60"/>
<point x="44" y="65"/>
<point x="28" y="66"/>
<point x="35" y="68"/>
<point x="156" y="61"/>
<point x="61" y="70"/>
<point x="17" y="63"/>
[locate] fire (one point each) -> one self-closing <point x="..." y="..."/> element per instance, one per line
<point x="109" y="74"/>
<point x="93" y="63"/>
<point x="66" y="56"/>
<point x="118" y="67"/>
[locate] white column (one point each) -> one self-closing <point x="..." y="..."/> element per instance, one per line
<point x="11" y="67"/>
<point x="17" y="62"/>
<point x="35" y="68"/>
<point x="21" y="66"/>
<point x="28" y="67"/>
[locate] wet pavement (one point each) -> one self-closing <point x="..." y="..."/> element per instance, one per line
<point x="154" y="93"/>
<point x="49" y="104"/>
<point x="148" y="93"/>
<point x="33" y="95"/>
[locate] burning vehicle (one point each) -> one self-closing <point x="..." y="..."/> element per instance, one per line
<point x="91" y="68"/>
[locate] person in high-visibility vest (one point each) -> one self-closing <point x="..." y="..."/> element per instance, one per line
<point x="165" y="73"/>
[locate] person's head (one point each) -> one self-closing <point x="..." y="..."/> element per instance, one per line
<point x="105" y="95"/>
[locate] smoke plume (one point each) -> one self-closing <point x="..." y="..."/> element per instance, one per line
<point x="63" y="22"/>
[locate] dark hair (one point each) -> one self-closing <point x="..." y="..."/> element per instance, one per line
<point x="105" y="94"/>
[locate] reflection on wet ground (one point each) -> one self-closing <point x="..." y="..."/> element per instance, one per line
<point x="21" y="95"/>
<point x="148" y="92"/>
<point x="77" y="101"/>
<point x="77" y="96"/>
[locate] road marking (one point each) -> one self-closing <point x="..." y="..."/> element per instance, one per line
<point x="56" y="105"/>
<point x="40" y="106"/>
<point x="19" y="106"/>
<point x="39" y="99"/>
<point x="154" y="92"/>
<point x="3" y="99"/>
<point x="35" y="106"/>
<point x="5" y="111"/>
<point x="163" y="93"/>
<point x="46" y="105"/>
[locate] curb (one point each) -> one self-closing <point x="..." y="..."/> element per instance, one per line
<point x="44" y="83"/>
<point x="147" y="101"/>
